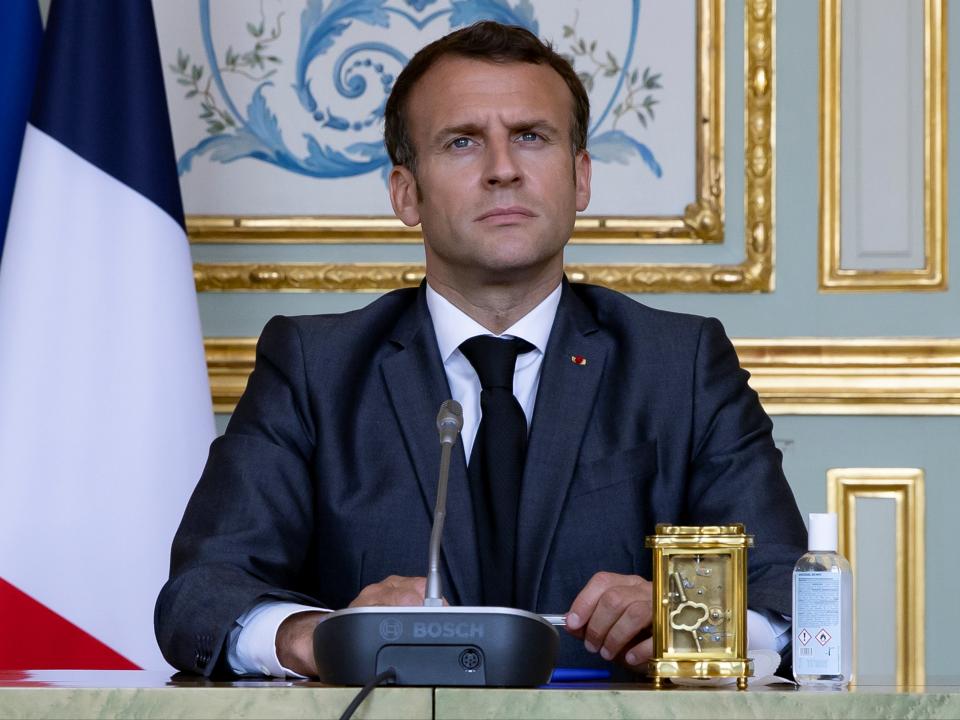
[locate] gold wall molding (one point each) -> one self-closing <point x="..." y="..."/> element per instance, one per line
<point x="854" y="376"/>
<point x="305" y="277"/>
<point x="905" y="486"/>
<point x="702" y="221"/>
<point x="933" y="276"/>
<point x="378" y="277"/>
<point x="794" y="376"/>
<point x="229" y="364"/>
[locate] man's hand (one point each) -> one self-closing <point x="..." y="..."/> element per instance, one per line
<point x="612" y="615"/>
<point x="394" y="590"/>
<point x="295" y="635"/>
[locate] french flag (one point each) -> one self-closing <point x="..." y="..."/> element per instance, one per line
<point x="105" y="411"/>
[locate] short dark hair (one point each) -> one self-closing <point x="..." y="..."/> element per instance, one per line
<point x="491" y="42"/>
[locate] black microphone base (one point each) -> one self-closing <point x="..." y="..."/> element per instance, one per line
<point x="437" y="646"/>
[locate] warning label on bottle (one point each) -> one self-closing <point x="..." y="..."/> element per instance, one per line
<point x="816" y="623"/>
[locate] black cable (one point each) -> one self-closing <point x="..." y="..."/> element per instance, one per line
<point x="387" y="677"/>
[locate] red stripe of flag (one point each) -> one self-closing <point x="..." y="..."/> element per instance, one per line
<point x="34" y="637"/>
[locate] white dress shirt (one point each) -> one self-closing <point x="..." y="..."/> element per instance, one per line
<point x="252" y="644"/>
<point x="453" y="326"/>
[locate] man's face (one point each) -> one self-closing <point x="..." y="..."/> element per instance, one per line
<point x="499" y="185"/>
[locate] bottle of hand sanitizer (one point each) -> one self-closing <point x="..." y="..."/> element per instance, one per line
<point x="822" y="609"/>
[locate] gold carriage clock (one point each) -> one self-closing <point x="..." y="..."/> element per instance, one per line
<point x="700" y="603"/>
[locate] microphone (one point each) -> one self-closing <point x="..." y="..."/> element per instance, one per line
<point x="449" y="425"/>
<point x="431" y="644"/>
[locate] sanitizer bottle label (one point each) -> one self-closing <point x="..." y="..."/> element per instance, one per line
<point x="816" y="623"/>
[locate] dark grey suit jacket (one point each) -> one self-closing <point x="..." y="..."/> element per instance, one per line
<point x="326" y="478"/>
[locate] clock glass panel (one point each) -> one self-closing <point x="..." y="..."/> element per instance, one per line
<point x="700" y="598"/>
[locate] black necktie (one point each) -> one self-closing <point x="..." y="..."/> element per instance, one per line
<point x="496" y="462"/>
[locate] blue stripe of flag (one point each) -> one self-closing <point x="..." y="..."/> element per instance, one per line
<point x="18" y="69"/>
<point x="100" y="92"/>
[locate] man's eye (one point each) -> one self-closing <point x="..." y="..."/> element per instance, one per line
<point x="460" y="142"/>
<point x="529" y="136"/>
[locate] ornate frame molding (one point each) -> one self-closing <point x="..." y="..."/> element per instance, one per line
<point x="794" y="376"/>
<point x="933" y="276"/>
<point x="754" y="274"/>
<point x="905" y="486"/>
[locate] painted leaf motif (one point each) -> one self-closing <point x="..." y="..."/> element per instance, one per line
<point x="261" y="121"/>
<point x="371" y="150"/>
<point x="616" y="146"/>
<point x="305" y="96"/>
<point x="222" y="148"/>
<point x="467" y="12"/>
<point x="326" y="159"/>
<point x="242" y="144"/>
<point x="320" y="28"/>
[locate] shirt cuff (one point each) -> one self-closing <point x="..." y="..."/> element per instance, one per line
<point x="253" y="641"/>
<point x="767" y="630"/>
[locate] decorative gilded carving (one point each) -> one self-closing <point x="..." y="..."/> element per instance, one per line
<point x="307" y="277"/>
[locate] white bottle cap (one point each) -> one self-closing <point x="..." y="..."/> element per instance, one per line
<point x="823" y="532"/>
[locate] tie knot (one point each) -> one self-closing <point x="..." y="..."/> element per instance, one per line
<point x="494" y="359"/>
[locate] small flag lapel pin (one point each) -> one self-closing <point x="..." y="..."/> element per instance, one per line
<point x="578" y="360"/>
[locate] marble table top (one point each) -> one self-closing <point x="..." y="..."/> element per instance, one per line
<point x="137" y="694"/>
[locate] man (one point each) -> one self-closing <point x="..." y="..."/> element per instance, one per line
<point x="320" y="494"/>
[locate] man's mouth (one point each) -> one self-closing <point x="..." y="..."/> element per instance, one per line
<point x="505" y="215"/>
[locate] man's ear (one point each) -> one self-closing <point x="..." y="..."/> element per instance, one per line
<point x="403" y="195"/>
<point x="583" y="169"/>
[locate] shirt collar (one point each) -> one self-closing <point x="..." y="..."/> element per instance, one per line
<point x="452" y="326"/>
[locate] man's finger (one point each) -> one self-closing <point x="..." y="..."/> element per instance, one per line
<point x="633" y="619"/>
<point x="586" y="602"/>
<point x="608" y="613"/>
<point x="638" y="655"/>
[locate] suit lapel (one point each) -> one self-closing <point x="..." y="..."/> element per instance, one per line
<point x="417" y="385"/>
<point x="570" y="376"/>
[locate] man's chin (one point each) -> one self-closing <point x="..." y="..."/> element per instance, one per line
<point x="518" y="271"/>
<point x="500" y="261"/>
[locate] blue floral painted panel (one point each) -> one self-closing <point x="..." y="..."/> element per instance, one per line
<point x="339" y="141"/>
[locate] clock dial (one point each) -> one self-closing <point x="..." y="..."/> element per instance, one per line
<point x="700" y="601"/>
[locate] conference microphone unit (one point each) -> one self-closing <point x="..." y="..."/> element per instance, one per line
<point x="436" y="645"/>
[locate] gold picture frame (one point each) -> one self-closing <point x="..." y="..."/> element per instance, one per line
<point x="905" y="486"/>
<point x="933" y="276"/>
<point x="702" y="222"/>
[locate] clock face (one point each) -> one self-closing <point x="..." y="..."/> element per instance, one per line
<point x="699" y="599"/>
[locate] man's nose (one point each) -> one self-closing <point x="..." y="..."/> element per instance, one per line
<point x="502" y="165"/>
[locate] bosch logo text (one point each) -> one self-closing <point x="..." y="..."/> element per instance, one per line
<point x="459" y="630"/>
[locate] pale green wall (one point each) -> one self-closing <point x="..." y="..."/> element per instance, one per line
<point x="811" y="444"/>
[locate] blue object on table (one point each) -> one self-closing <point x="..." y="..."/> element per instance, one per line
<point x="574" y="674"/>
